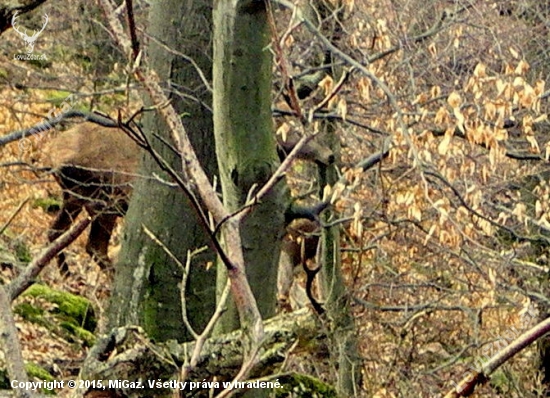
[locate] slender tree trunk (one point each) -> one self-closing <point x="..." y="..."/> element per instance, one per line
<point x="245" y="142"/>
<point x="148" y="282"/>
<point x="344" y="334"/>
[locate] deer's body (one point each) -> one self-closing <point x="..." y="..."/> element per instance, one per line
<point x="95" y="166"/>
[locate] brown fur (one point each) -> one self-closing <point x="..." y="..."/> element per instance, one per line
<point x="313" y="151"/>
<point x="95" y="165"/>
<point x="301" y="239"/>
<point x="299" y="245"/>
<point x="98" y="148"/>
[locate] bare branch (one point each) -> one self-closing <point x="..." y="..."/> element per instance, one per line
<point x="467" y="385"/>
<point x="25" y="279"/>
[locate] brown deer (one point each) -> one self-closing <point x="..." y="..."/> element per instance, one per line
<point x="95" y="166"/>
<point x="313" y="151"/>
<point x="299" y="245"/>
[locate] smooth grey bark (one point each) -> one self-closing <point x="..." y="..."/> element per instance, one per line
<point x="246" y="145"/>
<point x="337" y="301"/>
<point x="343" y="331"/>
<point x="147" y="281"/>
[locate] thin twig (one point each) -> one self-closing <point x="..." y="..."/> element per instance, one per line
<point x="14" y="214"/>
<point x="201" y="340"/>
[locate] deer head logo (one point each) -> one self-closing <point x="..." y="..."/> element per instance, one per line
<point x="29" y="40"/>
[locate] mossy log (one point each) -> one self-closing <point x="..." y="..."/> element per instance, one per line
<point x="127" y="354"/>
<point x="71" y="317"/>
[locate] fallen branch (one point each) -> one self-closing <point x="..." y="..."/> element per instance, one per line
<point x="26" y="278"/>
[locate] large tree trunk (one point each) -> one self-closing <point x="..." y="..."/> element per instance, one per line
<point x="148" y="282"/>
<point x="246" y="145"/>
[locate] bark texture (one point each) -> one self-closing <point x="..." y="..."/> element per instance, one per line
<point x="246" y="145"/>
<point x="128" y="354"/>
<point x="147" y="282"/>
